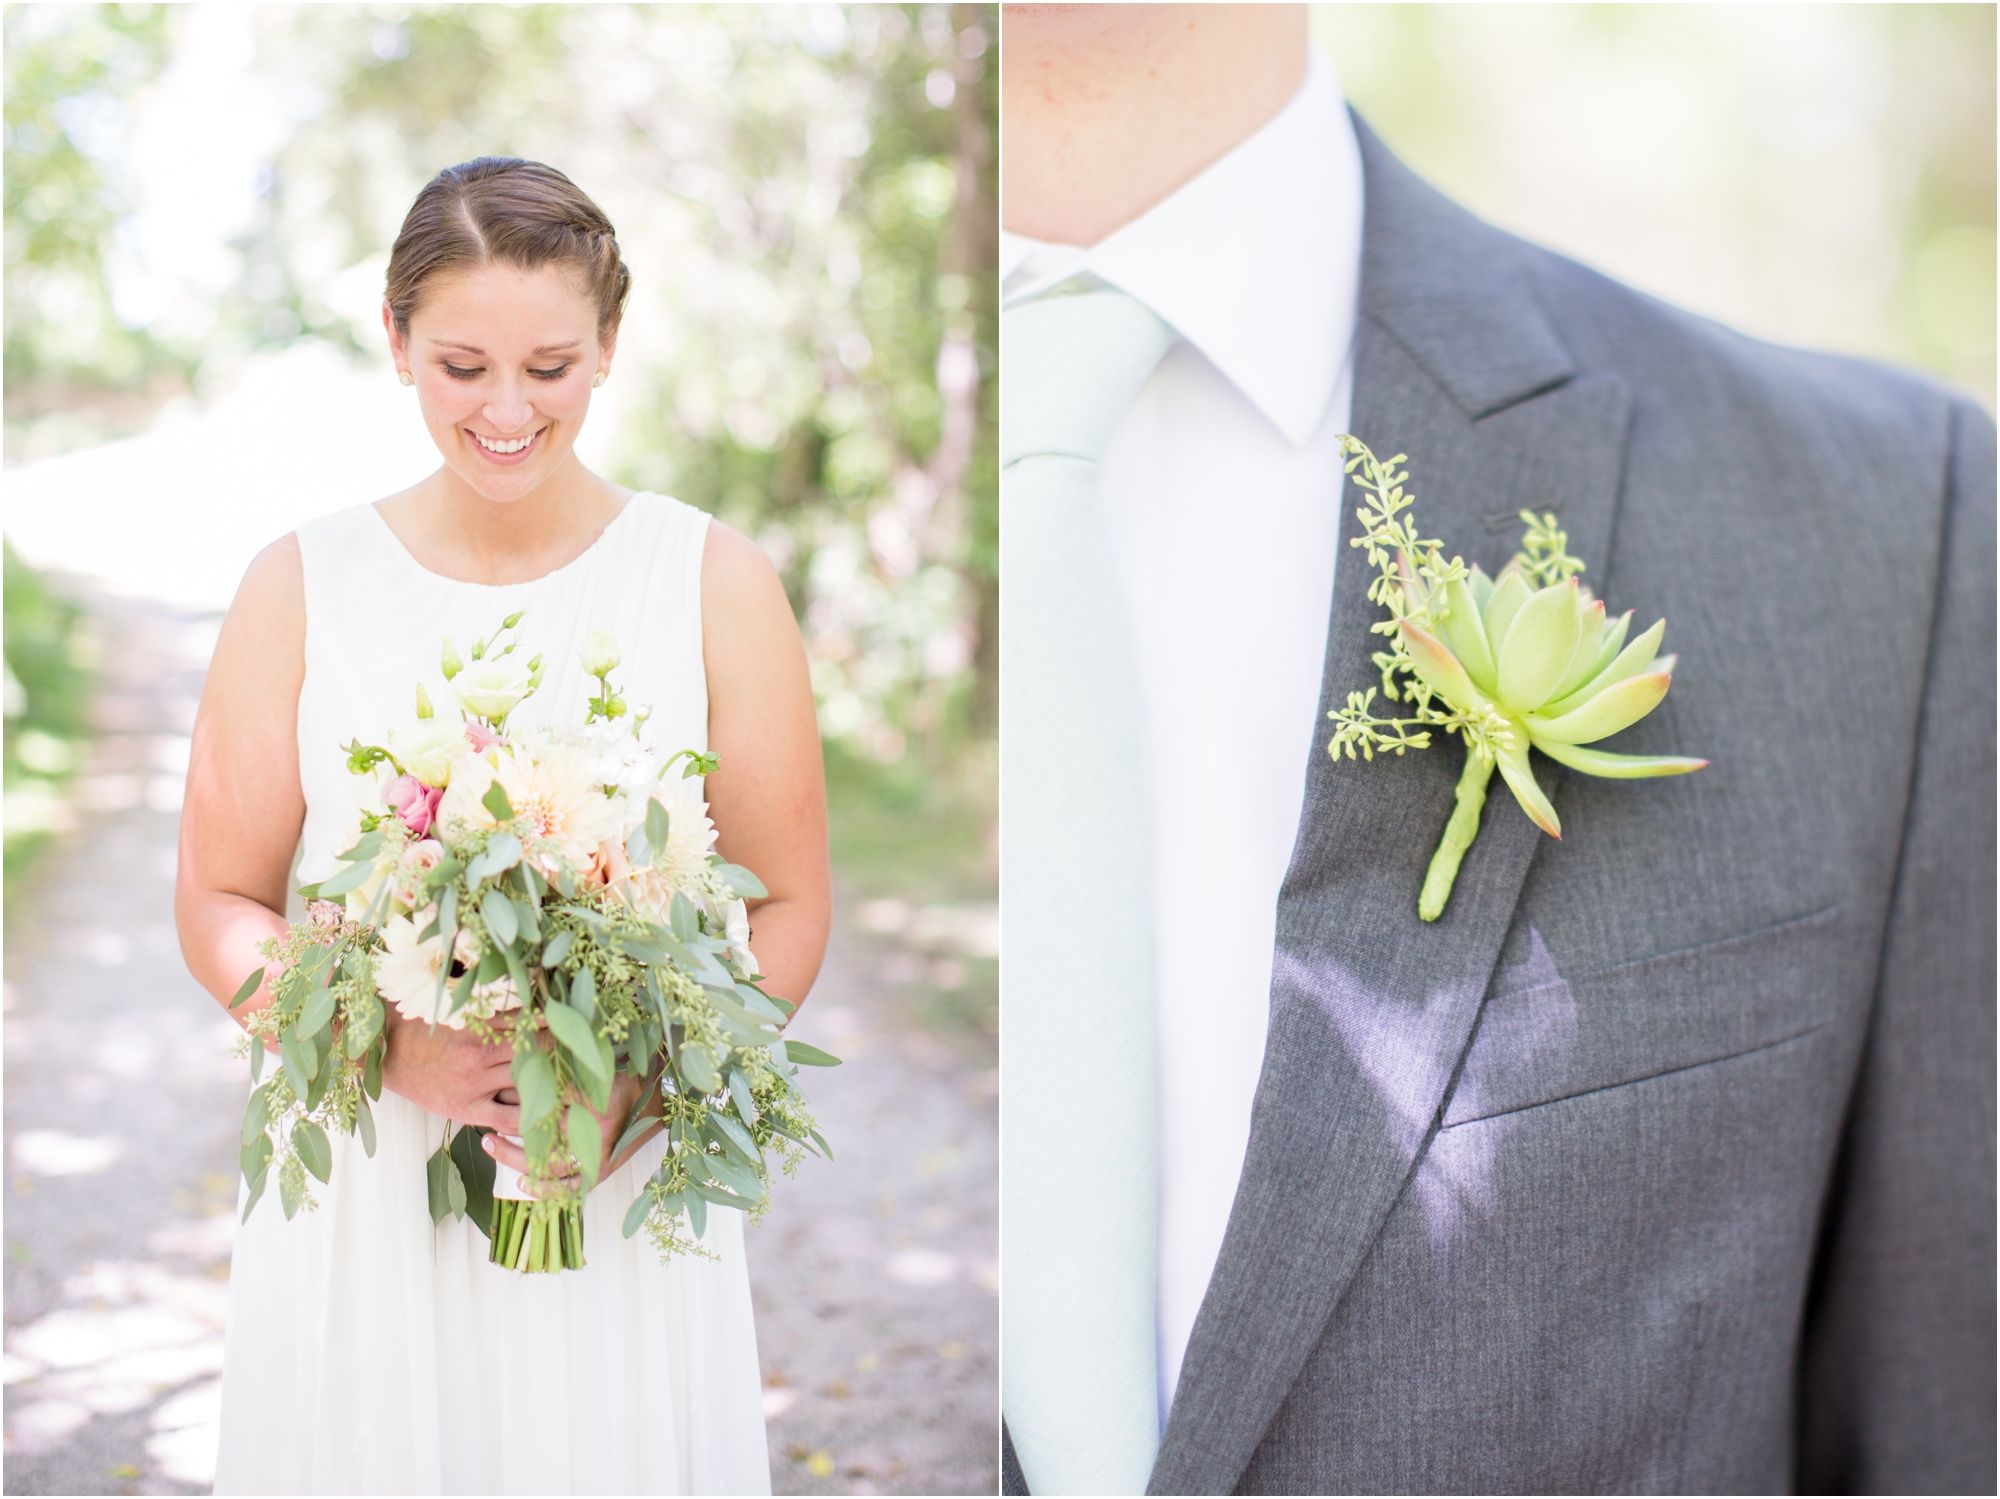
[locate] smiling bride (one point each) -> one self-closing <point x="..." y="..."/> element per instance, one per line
<point x="369" y="1351"/>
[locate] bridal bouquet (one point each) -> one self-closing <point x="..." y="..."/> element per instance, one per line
<point x="555" y="892"/>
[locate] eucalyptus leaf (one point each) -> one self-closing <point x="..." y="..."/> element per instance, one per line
<point x="290" y="1194"/>
<point x="638" y="849"/>
<point x="741" y="881"/>
<point x="255" y="1156"/>
<point x="434" y="1181"/>
<point x="734" y="1135"/>
<point x="310" y="1141"/>
<point x="293" y="1056"/>
<point x="475" y="1170"/>
<point x="256" y="1191"/>
<point x="248" y="988"/>
<point x="501" y="921"/>
<point x="318" y="1011"/>
<point x="503" y="851"/>
<point x="364" y="1120"/>
<point x="366" y="847"/>
<point x="443" y="873"/>
<point x="637" y="1214"/>
<point x="699" y="1069"/>
<point x="256" y="1115"/>
<point x="738" y="1178"/>
<point x="809" y="1056"/>
<point x="639" y="1125"/>
<point x="258" y="1051"/>
<point x="495" y="801"/>
<point x="586" y="1143"/>
<point x="351" y="878"/>
<point x="583" y="993"/>
<point x="739" y="1095"/>
<point x="557" y="948"/>
<point x="574" y="1034"/>
<point x="371" y="1072"/>
<point x="720" y="1198"/>
<point x="758" y="1003"/>
<point x="697" y="1211"/>
<point x="820" y="1140"/>
<point x="535" y="1080"/>
<point x="657" y="824"/>
<point x="687" y="924"/>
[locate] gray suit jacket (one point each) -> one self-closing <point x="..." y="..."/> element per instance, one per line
<point x="1663" y="1163"/>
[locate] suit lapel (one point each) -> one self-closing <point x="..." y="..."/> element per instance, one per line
<point x="1372" y="1010"/>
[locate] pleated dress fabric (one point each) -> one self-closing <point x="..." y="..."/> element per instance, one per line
<point x="369" y="1352"/>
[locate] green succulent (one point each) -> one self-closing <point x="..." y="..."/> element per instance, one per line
<point x="1505" y="663"/>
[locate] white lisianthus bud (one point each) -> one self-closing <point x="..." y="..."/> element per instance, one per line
<point x="425" y="748"/>
<point x="424" y="709"/>
<point x="600" y="653"/>
<point x="492" y="689"/>
<point x="452" y="665"/>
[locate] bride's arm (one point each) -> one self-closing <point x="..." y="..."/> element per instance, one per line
<point x="768" y="795"/>
<point x="241" y="822"/>
<point x="244" y="807"/>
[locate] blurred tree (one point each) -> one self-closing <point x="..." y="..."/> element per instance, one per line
<point x="72" y="73"/>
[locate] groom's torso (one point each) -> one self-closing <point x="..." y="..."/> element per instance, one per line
<point x="1533" y="1194"/>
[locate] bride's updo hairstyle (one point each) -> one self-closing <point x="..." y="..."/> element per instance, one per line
<point x="520" y="213"/>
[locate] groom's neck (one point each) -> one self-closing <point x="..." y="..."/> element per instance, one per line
<point x="1106" y="109"/>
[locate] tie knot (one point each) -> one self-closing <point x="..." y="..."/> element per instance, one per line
<point x="1070" y="365"/>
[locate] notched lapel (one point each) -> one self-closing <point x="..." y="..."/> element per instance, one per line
<point x="1371" y="1009"/>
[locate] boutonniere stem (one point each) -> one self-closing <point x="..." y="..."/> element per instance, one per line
<point x="1503" y="663"/>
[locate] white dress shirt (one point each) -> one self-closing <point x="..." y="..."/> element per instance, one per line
<point x="1223" y="489"/>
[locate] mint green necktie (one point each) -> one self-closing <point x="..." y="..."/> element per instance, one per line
<point x="1079" y="1257"/>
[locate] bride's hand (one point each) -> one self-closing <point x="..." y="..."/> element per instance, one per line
<point x="450" y="1073"/>
<point x="627" y="1094"/>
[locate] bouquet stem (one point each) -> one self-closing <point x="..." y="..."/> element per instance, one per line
<point x="533" y="1236"/>
<point x="1458" y="835"/>
<point x="530" y="1234"/>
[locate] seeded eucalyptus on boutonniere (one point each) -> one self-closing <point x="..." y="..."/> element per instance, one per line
<point x="1504" y="663"/>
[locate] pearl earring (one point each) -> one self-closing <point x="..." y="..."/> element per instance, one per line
<point x="597" y="379"/>
<point x="406" y="377"/>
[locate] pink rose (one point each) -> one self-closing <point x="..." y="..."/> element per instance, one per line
<point x="483" y="738"/>
<point x="418" y="860"/>
<point x="414" y="802"/>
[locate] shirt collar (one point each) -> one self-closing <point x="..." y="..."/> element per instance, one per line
<point x="1256" y="261"/>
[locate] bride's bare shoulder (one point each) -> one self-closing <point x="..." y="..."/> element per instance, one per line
<point x="266" y="625"/>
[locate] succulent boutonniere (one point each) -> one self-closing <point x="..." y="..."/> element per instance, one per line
<point x="1523" y="659"/>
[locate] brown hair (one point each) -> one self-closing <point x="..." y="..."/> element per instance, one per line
<point x="500" y="208"/>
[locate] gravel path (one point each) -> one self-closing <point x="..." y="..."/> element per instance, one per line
<point x="874" y="1275"/>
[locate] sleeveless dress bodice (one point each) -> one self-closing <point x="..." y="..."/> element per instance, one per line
<point x="368" y="1352"/>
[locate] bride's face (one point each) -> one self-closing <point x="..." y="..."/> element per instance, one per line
<point x="503" y="360"/>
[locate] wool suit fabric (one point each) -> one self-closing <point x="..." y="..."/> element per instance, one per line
<point x="1664" y="1161"/>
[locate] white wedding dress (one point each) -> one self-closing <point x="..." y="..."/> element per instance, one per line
<point x="370" y="1353"/>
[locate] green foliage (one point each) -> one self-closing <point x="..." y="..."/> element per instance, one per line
<point x="49" y="685"/>
<point x="72" y="72"/>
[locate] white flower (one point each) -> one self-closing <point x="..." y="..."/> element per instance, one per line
<point x="681" y="865"/>
<point x="472" y="771"/>
<point x="600" y="653"/>
<point x="494" y="687"/>
<point x="427" y="747"/>
<point x="407" y="976"/>
<point x="407" y="973"/>
<point x="555" y="788"/>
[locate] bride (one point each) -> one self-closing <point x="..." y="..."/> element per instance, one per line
<point x="368" y="1352"/>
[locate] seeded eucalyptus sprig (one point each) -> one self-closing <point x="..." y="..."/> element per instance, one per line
<point x="1524" y="659"/>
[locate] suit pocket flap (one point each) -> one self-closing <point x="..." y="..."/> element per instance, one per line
<point x="1548" y="1036"/>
